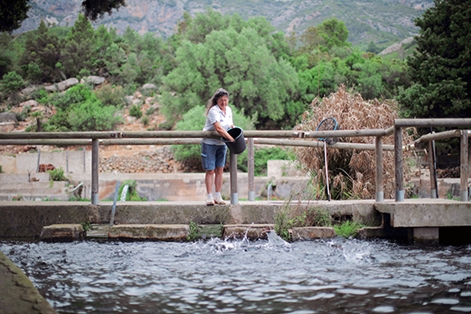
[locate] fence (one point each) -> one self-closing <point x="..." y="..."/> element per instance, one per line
<point x="280" y="138"/>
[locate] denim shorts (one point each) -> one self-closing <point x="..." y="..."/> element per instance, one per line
<point x="213" y="156"/>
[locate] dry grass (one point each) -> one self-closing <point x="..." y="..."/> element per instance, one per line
<point x="351" y="171"/>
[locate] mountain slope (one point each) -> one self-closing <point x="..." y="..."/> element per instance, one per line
<point x="381" y="21"/>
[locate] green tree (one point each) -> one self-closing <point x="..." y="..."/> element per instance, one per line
<point x="77" y="53"/>
<point x="43" y="49"/>
<point x="334" y="33"/>
<point x="440" y="68"/>
<point x="8" y="53"/>
<point x="240" y="62"/>
<point x="12" y="14"/>
<point x="11" y="84"/>
<point x="93" y="116"/>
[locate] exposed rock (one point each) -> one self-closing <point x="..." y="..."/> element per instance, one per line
<point x="28" y="90"/>
<point x="8" y="117"/>
<point x="30" y="103"/>
<point x="97" y="80"/>
<point x="62" y="86"/>
<point x="149" y="86"/>
<point x="128" y="100"/>
<point x="7" y="126"/>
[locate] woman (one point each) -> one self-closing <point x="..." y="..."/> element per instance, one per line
<point x="213" y="151"/>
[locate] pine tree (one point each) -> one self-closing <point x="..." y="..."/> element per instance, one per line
<point x="42" y="53"/>
<point x="77" y="54"/>
<point x="440" y="68"/>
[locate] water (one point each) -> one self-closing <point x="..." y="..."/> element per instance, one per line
<point x="124" y="192"/>
<point x="216" y="276"/>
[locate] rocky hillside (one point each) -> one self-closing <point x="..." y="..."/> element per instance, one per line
<point x="381" y="21"/>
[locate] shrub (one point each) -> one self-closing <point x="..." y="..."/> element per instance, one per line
<point x="131" y="194"/>
<point x="111" y="96"/>
<point x="347" y="229"/>
<point x="351" y="172"/>
<point x="145" y="120"/>
<point x="41" y="96"/>
<point x="93" y="116"/>
<point x="135" y="111"/>
<point x="150" y="111"/>
<point x="57" y="174"/>
<point x="23" y="114"/>
<point x="11" y="83"/>
<point x="309" y="216"/>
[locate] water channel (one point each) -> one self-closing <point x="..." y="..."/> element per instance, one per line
<point x="240" y="276"/>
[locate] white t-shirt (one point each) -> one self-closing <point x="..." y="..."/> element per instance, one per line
<point x="215" y="114"/>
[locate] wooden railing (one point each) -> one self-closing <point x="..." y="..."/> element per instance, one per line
<point x="418" y="123"/>
<point x="280" y="138"/>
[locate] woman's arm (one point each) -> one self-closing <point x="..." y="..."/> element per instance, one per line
<point x="222" y="131"/>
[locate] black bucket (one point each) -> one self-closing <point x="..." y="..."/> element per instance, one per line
<point x="238" y="145"/>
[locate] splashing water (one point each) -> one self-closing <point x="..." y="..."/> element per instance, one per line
<point x="124" y="192"/>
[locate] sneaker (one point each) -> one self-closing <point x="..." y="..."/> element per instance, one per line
<point x="210" y="202"/>
<point x="218" y="200"/>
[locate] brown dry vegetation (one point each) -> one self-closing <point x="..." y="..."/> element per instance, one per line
<point x="351" y="171"/>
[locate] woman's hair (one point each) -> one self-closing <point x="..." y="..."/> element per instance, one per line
<point x="214" y="100"/>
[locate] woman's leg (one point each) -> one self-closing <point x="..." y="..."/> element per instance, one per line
<point x="208" y="180"/>
<point x="218" y="179"/>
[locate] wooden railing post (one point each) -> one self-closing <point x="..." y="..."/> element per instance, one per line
<point x="233" y="175"/>
<point x="464" y="166"/>
<point x="379" y="169"/>
<point x="95" y="169"/>
<point x="398" y="164"/>
<point x="251" y="170"/>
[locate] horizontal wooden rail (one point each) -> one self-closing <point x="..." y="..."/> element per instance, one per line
<point x="188" y="134"/>
<point x="361" y="146"/>
<point x="438" y="136"/>
<point x="450" y="123"/>
<point x="74" y="142"/>
<point x="78" y="142"/>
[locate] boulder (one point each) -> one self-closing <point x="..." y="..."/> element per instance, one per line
<point x="7" y="126"/>
<point x="97" y="80"/>
<point x="28" y="90"/>
<point x="148" y="86"/>
<point x="8" y="117"/>
<point x="30" y="103"/>
<point x="62" y="86"/>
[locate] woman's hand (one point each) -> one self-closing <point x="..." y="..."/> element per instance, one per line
<point x="222" y="131"/>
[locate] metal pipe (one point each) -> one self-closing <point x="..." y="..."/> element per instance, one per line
<point x="233" y="177"/>
<point x="95" y="169"/>
<point x="464" y="166"/>
<point x="399" y="174"/>
<point x="251" y="169"/>
<point x="379" y="169"/>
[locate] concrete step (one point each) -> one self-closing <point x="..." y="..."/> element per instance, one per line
<point x="62" y="232"/>
<point x="177" y="232"/>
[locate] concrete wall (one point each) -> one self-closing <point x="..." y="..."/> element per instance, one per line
<point x="26" y="219"/>
<point x="188" y="186"/>
<point x="70" y="161"/>
<point x="8" y="164"/>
